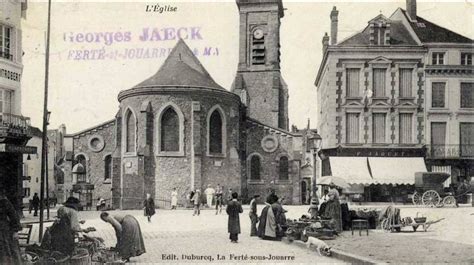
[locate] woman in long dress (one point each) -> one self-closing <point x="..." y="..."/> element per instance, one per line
<point x="333" y="208"/>
<point x="174" y="199"/>
<point x="9" y="227"/>
<point x="129" y="235"/>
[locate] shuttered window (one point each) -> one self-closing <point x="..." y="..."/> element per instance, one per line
<point x="406" y="129"/>
<point x="352" y="82"/>
<point x="438" y="139"/>
<point x="437" y="95"/>
<point x="378" y="128"/>
<point x="379" y="82"/>
<point x="406" y="83"/>
<point x="467" y="95"/>
<point x="467" y="138"/>
<point x="352" y="128"/>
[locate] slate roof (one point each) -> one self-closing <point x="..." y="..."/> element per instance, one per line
<point x="429" y="32"/>
<point x="425" y="30"/>
<point x="36" y="132"/>
<point x="181" y="68"/>
<point x="399" y="35"/>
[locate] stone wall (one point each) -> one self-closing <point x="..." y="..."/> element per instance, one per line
<point x="95" y="169"/>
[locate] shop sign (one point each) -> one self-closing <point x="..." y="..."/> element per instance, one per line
<point x="9" y="148"/>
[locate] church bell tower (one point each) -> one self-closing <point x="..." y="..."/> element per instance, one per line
<point x="258" y="81"/>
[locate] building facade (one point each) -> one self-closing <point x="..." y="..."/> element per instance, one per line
<point x="180" y="129"/>
<point x="14" y="128"/>
<point x="374" y="96"/>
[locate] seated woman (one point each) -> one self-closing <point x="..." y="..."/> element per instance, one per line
<point x="129" y="236"/>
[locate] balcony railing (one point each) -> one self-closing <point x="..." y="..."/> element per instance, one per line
<point x="14" y="124"/>
<point x="450" y="151"/>
<point x="6" y="55"/>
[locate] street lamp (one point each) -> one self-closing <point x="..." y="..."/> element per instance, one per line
<point x="314" y="143"/>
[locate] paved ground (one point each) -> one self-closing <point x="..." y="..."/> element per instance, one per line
<point x="180" y="233"/>
<point x="177" y="234"/>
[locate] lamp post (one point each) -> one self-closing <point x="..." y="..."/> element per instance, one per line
<point x="314" y="143"/>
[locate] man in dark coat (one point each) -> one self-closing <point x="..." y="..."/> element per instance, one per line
<point x="35" y="202"/>
<point x="234" y="208"/>
<point x="253" y="215"/>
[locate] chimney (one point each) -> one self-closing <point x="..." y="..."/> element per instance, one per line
<point x="411" y="9"/>
<point x="334" y="14"/>
<point x="325" y="42"/>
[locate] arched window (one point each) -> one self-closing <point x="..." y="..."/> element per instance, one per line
<point x="283" y="165"/>
<point x="130" y="132"/>
<point x="107" y="167"/>
<point x="215" y="133"/>
<point x="255" y="167"/>
<point x="169" y="141"/>
<point x="80" y="169"/>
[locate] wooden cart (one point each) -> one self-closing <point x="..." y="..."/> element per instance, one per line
<point x="429" y="190"/>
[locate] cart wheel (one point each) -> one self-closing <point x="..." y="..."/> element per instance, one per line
<point x="416" y="199"/>
<point x="449" y="201"/>
<point x="431" y="198"/>
<point x="385" y="226"/>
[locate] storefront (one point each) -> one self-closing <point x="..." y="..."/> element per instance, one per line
<point x="375" y="174"/>
<point x="11" y="170"/>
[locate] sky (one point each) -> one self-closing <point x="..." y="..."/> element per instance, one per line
<point x="88" y="70"/>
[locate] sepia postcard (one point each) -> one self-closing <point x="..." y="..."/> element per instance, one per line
<point x="237" y="131"/>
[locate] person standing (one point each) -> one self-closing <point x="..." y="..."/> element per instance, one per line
<point x="149" y="205"/>
<point x="333" y="208"/>
<point x="229" y="195"/>
<point x="253" y="215"/>
<point x="234" y="208"/>
<point x="35" y="202"/>
<point x="9" y="227"/>
<point x="174" y="199"/>
<point x="129" y="235"/>
<point x="219" y="199"/>
<point x="209" y="195"/>
<point x="197" y="202"/>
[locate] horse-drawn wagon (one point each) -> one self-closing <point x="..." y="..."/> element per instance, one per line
<point x="430" y="190"/>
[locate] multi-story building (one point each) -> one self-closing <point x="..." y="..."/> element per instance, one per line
<point x="14" y="128"/>
<point x="374" y="91"/>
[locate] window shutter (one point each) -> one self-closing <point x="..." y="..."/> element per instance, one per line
<point x="352" y="82"/>
<point x="467" y="95"/>
<point x="352" y="128"/>
<point x="379" y="82"/>
<point x="437" y="95"/>
<point x="406" y="83"/>
<point x="405" y="130"/>
<point x="467" y="138"/>
<point x="438" y="138"/>
<point x="378" y="128"/>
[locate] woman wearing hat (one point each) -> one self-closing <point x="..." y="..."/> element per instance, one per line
<point x="333" y="207"/>
<point x="9" y="227"/>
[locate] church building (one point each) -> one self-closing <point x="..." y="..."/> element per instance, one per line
<point x="180" y="129"/>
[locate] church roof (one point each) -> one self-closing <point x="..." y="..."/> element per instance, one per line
<point x="181" y="69"/>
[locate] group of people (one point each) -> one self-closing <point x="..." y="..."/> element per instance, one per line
<point x="270" y="223"/>
<point x="195" y="198"/>
<point x="330" y="207"/>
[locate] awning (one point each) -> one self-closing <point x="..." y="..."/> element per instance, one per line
<point x="396" y="170"/>
<point x="354" y="170"/>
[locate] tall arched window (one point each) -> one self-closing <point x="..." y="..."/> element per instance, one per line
<point x="255" y="167"/>
<point x="169" y="141"/>
<point x="215" y="133"/>
<point x="283" y="165"/>
<point x="107" y="167"/>
<point x="130" y="127"/>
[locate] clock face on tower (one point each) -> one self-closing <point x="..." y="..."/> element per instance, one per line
<point x="258" y="34"/>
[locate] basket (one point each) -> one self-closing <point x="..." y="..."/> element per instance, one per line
<point x="420" y="219"/>
<point x="81" y="257"/>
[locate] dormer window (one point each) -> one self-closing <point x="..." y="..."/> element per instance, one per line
<point x="466" y="58"/>
<point x="437" y="58"/>
<point x="258" y="47"/>
<point x="380" y="31"/>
